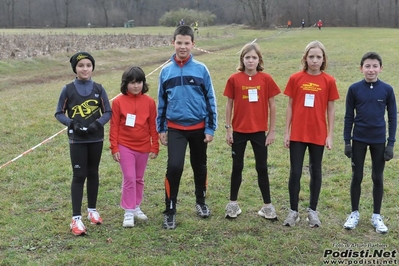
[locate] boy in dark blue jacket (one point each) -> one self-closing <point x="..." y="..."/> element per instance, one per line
<point x="186" y="115"/>
<point x="366" y="102"/>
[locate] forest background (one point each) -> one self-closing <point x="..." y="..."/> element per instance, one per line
<point x="256" y="13"/>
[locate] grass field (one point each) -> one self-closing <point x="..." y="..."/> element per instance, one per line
<point x="35" y="206"/>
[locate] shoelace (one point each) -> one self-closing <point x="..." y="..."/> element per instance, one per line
<point x="129" y="216"/>
<point x="95" y="215"/>
<point x="291" y="215"/>
<point x="79" y="224"/>
<point x="139" y="212"/>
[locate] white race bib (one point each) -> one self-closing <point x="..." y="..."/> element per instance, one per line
<point x="253" y="95"/>
<point x="130" y="120"/>
<point x="309" y="100"/>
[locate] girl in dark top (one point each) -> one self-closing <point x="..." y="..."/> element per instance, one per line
<point x="88" y="110"/>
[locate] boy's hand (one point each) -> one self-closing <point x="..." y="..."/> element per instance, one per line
<point x="348" y="150"/>
<point x="388" y="153"/>
<point x="208" y="138"/>
<point x="164" y="138"/>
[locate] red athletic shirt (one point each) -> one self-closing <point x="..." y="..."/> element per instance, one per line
<point x="309" y="124"/>
<point x="143" y="136"/>
<point x="250" y="116"/>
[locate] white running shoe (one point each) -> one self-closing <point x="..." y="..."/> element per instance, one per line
<point x="352" y="220"/>
<point x="139" y="214"/>
<point x="128" y="220"/>
<point x="379" y="225"/>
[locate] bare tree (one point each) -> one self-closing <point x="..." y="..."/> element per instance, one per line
<point x="11" y="12"/>
<point x="396" y="13"/>
<point x="57" y="12"/>
<point x="67" y="3"/>
<point x="258" y="11"/>
<point x="105" y="5"/>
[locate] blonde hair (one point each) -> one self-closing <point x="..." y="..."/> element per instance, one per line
<point x="246" y="49"/>
<point x="312" y="45"/>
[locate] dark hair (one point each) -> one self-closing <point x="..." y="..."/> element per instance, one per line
<point x="246" y="49"/>
<point x="312" y="45"/>
<point x="133" y="73"/>
<point x="184" y="30"/>
<point x="371" y="55"/>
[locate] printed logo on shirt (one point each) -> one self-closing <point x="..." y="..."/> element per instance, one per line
<point x="86" y="109"/>
<point x="310" y="86"/>
<point x="76" y="166"/>
<point x="246" y="88"/>
<point x="96" y="95"/>
<point x="191" y="81"/>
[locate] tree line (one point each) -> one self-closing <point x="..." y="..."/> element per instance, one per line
<point x="256" y="13"/>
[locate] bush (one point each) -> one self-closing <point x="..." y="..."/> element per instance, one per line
<point x="172" y="18"/>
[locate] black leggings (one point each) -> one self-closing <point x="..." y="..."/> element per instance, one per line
<point x="177" y="145"/>
<point x="85" y="159"/>
<point x="258" y="142"/>
<point x="359" y="150"/>
<point x="297" y="154"/>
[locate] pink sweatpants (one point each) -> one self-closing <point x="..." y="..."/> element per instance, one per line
<point x="133" y="165"/>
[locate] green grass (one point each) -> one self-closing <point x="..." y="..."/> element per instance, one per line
<point x="35" y="207"/>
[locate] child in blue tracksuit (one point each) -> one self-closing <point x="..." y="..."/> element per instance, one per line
<point x="186" y="115"/>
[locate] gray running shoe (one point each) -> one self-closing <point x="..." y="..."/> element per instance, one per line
<point x="232" y="210"/>
<point x="268" y="212"/>
<point x="313" y="218"/>
<point x="202" y="210"/>
<point x="169" y="220"/>
<point x="292" y="218"/>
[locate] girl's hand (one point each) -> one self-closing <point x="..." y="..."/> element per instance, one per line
<point x="287" y="141"/>
<point x="229" y="138"/>
<point x="153" y="155"/>
<point x="271" y="136"/>
<point x="116" y="156"/>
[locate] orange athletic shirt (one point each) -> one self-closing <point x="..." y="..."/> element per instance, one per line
<point x="143" y="137"/>
<point x="309" y="124"/>
<point x="250" y="117"/>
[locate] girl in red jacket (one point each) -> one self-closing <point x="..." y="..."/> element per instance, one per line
<point x="134" y="138"/>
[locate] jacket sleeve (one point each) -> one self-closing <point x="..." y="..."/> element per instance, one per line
<point x="162" y="106"/>
<point x="211" y="118"/>
<point x="61" y="108"/>
<point x="392" y="117"/>
<point x="153" y="130"/>
<point x="114" y="127"/>
<point x="105" y="108"/>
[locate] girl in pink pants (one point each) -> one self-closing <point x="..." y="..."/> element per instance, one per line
<point x="134" y="139"/>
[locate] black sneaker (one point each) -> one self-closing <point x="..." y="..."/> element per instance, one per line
<point x="169" y="220"/>
<point x="202" y="210"/>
